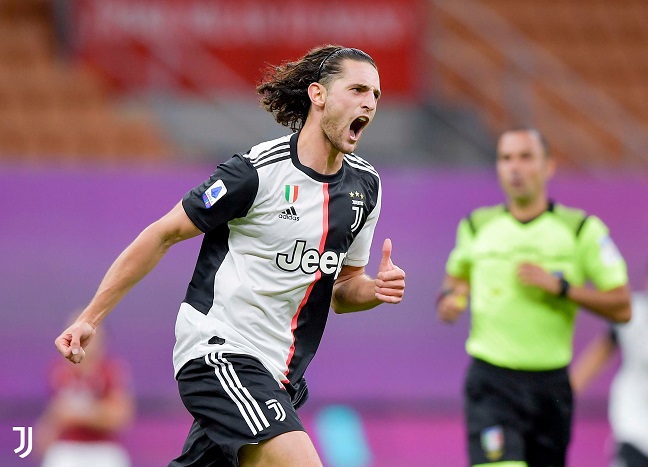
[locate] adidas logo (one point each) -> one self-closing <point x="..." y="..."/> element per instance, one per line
<point x="289" y="214"/>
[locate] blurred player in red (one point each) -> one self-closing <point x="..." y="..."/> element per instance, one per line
<point x="90" y="405"/>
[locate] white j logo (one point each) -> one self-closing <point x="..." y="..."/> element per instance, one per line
<point x="358" y="217"/>
<point x="25" y="441"/>
<point x="280" y="413"/>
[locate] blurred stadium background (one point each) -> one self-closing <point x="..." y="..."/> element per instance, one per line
<point x="110" y="110"/>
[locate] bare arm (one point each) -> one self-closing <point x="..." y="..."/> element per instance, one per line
<point x="453" y="298"/>
<point x="613" y="304"/>
<point x="355" y="291"/>
<point x="132" y="265"/>
<point x="591" y="362"/>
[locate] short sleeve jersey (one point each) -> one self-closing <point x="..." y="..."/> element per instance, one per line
<point x="523" y="327"/>
<point x="277" y="234"/>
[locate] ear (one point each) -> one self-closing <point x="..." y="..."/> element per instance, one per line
<point x="317" y="94"/>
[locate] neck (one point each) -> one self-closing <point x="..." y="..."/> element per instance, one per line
<point x="316" y="151"/>
<point x="525" y="211"/>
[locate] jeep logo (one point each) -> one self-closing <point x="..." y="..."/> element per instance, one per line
<point x="310" y="261"/>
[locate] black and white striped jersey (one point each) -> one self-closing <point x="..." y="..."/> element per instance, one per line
<point x="276" y="235"/>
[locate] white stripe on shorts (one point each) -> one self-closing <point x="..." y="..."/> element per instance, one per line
<point x="247" y="405"/>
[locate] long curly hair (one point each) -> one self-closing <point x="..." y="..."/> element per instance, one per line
<point x="284" y="88"/>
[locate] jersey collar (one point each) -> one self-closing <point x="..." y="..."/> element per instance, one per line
<point x="550" y="208"/>
<point x="307" y="170"/>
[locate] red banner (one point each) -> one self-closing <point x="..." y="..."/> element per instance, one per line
<point x="223" y="45"/>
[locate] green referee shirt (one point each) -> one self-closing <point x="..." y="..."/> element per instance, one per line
<point x="523" y="327"/>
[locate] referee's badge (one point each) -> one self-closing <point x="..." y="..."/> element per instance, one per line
<point x="492" y="441"/>
<point x="610" y="254"/>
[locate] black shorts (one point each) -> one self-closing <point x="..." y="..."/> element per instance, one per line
<point x="234" y="401"/>
<point x="516" y="415"/>
<point x="629" y="456"/>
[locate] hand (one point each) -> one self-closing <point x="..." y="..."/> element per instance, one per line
<point x="390" y="280"/>
<point x="534" y="275"/>
<point x="452" y="304"/>
<point x="72" y="341"/>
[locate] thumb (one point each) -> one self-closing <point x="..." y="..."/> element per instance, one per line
<point x="385" y="262"/>
<point x="75" y="341"/>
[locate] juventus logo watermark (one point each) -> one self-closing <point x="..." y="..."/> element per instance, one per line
<point x="280" y="413"/>
<point x="25" y="446"/>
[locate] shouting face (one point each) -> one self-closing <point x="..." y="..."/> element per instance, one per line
<point x="350" y="106"/>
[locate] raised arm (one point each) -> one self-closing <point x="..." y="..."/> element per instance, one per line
<point x="131" y="266"/>
<point x="356" y="291"/>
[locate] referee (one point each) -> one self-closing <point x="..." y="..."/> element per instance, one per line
<point x="524" y="265"/>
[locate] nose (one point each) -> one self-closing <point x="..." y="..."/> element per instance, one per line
<point x="370" y="102"/>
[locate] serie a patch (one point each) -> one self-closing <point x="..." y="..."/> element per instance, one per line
<point x="214" y="193"/>
<point x="492" y="441"/>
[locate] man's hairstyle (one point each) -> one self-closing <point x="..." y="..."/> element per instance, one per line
<point x="530" y="129"/>
<point x="284" y="88"/>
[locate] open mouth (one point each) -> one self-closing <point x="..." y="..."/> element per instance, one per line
<point x="357" y="126"/>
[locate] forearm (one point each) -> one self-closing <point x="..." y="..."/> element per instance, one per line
<point x="613" y="305"/>
<point x="135" y="262"/>
<point x="452" y="299"/>
<point x="132" y="265"/>
<point x="590" y="363"/>
<point x="357" y="293"/>
<point x="455" y="285"/>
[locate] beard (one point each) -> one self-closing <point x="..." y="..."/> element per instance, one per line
<point x="337" y="134"/>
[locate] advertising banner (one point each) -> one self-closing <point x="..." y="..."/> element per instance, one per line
<point x="221" y="45"/>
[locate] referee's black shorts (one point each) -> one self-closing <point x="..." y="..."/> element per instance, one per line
<point x="234" y="401"/>
<point x="516" y="415"/>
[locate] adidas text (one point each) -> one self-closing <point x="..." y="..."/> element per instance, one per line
<point x="289" y="214"/>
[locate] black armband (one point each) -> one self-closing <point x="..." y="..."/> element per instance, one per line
<point x="564" y="288"/>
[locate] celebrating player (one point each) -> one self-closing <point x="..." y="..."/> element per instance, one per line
<point x="287" y="232"/>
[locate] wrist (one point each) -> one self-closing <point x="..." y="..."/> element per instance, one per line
<point x="442" y="294"/>
<point x="563" y="287"/>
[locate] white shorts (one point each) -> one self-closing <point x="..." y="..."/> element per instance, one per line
<point x="84" y="454"/>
